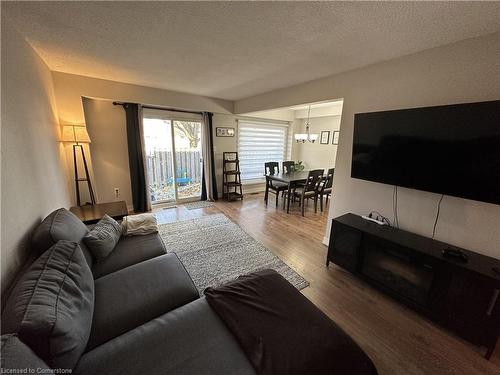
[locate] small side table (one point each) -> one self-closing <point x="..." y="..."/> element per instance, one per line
<point x="92" y="213"/>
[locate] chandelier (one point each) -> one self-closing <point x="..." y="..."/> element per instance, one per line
<point x="307" y="136"/>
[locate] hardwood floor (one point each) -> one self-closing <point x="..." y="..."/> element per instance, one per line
<point x="398" y="340"/>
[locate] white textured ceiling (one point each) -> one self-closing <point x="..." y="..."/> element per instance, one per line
<point x="233" y="50"/>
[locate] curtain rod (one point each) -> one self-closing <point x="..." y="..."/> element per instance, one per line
<point x="163" y="108"/>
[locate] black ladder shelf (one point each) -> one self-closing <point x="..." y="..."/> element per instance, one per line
<point x="232" y="176"/>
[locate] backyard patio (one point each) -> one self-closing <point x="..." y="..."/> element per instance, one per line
<point x="160" y="172"/>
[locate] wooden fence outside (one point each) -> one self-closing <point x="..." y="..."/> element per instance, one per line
<point x="159" y="164"/>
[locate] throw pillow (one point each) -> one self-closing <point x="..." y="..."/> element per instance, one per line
<point x="103" y="237"/>
<point x="61" y="224"/>
<point x="51" y="306"/>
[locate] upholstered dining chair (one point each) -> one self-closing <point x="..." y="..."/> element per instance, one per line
<point x="272" y="168"/>
<point x="308" y="190"/>
<point x="325" y="188"/>
<point x="288" y="166"/>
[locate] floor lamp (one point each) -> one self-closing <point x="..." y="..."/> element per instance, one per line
<point x="77" y="134"/>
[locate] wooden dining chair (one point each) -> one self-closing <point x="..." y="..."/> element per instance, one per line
<point x="308" y="190"/>
<point x="288" y="166"/>
<point x="325" y="188"/>
<point x="272" y="168"/>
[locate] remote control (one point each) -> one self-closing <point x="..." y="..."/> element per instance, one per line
<point x="455" y="253"/>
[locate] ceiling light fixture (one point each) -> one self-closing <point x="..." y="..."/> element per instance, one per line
<point x="307" y="136"/>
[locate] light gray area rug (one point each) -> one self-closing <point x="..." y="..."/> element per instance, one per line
<point x="215" y="250"/>
<point x="198" y="204"/>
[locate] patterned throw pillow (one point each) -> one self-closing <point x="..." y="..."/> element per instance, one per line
<point x="102" y="239"/>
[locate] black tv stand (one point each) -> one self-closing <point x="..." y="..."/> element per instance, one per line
<point x="454" y="287"/>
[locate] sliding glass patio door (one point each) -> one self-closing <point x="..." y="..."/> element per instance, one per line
<point x="173" y="156"/>
<point x="187" y="145"/>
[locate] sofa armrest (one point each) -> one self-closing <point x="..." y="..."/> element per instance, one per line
<point x="137" y="294"/>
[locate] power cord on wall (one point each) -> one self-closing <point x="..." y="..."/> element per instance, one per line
<point x="437" y="215"/>
<point x="378" y="216"/>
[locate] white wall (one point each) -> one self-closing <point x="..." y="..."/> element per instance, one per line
<point x="223" y="144"/>
<point x="316" y="155"/>
<point x="330" y="108"/>
<point x="33" y="181"/>
<point x="276" y="114"/>
<point x="70" y="88"/>
<point x="106" y="125"/>
<point x="466" y="71"/>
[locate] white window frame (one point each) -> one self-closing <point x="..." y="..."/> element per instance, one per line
<point x="269" y="124"/>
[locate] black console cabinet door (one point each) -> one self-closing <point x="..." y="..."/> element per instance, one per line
<point x="472" y="308"/>
<point x="344" y="246"/>
<point x="400" y="272"/>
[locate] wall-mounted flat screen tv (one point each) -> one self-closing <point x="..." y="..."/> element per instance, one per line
<point x="451" y="149"/>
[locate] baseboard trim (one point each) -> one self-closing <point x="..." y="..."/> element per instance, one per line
<point x="253" y="189"/>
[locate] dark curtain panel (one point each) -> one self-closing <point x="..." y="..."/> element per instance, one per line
<point x="209" y="178"/>
<point x="136" y="156"/>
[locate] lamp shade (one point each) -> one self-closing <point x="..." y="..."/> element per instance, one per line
<point x="75" y="133"/>
<point x="301" y="137"/>
<point x="313" y="137"/>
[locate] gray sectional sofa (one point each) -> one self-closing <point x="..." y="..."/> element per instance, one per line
<point x="135" y="312"/>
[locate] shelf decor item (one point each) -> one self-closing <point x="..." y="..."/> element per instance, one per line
<point x="77" y="134"/>
<point x="325" y="137"/>
<point x="224" y="132"/>
<point x="299" y="167"/>
<point x="231" y="176"/>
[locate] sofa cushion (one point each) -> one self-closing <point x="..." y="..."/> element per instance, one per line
<point x="18" y="357"/>
<point x="137" y="294"/>
<point x="103" y="237"/>
<point x="60" y="225"/>
<point x="52" y="304"/>
<point x="188" y="340"/>
<point x="129" y="251"/>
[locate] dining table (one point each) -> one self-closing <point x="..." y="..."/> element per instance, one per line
<point x="292" y="179"/>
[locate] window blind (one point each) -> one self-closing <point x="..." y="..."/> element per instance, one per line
<point x="259" y="143"/>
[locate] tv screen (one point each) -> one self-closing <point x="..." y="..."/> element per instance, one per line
<point x="450" y="149"/>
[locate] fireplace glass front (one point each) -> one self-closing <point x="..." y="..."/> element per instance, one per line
<point x="397" y="271"/>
